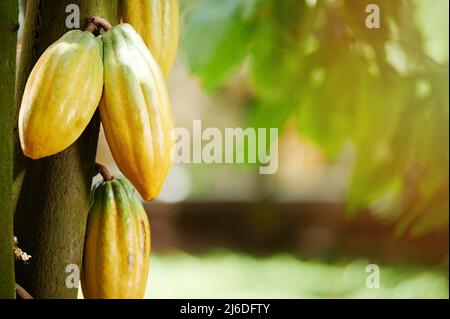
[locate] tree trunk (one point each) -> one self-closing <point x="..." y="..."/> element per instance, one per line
<point x="9" y="13"/>
<point x="52" y="194"/>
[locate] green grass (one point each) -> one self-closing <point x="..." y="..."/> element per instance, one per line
<point x="224" y="274"/>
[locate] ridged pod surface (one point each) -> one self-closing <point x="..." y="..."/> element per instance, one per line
<point x="135" y="111"/>
<point x="157" y="21"/>
<point x="117" y="243"/>
<point x="61" y="94"/>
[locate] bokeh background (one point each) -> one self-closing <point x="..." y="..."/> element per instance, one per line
<point x="363" y="171"/>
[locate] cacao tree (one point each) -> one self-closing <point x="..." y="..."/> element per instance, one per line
<point x="51" y="195"/>
<point x="8" y="36"/>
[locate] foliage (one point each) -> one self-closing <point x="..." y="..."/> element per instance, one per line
<point x="383" y="90"/>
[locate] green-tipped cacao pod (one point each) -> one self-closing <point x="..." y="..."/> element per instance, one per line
<point x="61" y="94"/>
<point x="135" y="111"/>
<point x="117" y="243"/>
<point x="157" y="21"/>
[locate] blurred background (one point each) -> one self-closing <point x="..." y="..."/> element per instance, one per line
<point x="363" y="118"/>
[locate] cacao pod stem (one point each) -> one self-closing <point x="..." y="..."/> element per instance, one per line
<point x="101" y="22"/>
<point x="102" y="170"/>
<point x="96" y="23"/>
<point x="92" y="28"/>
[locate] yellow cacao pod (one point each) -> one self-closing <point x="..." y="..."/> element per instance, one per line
<point x="117" y="243"/>
<point x="157" y="21"/>
<point x="135" y="110"/>
<point x="61" y="94"/>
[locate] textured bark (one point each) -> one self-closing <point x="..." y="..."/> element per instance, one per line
<point x="52" y="194"/>
<point x="8" y="38"/>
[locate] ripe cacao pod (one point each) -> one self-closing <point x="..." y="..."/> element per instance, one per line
<point x="157" y="21"/>
<point x="135" y="110"/>
<point x="61" y="94"/>
<point x="117" y="243"/>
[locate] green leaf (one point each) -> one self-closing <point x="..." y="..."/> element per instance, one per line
<point x="217" y="39"/>
<point x="277" y="52"/>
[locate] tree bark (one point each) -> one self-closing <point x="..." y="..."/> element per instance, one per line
<point x="9" y="13"/>
<point x="52" y="194"/>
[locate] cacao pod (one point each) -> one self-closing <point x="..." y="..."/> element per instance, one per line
<point x="135" y="110"/>
<point x="117" y="243"/>
<point x="157" y="21"/>
<point x="61" y="94"/>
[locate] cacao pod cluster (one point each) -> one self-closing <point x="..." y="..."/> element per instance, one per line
<point x="122" y="72"/>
